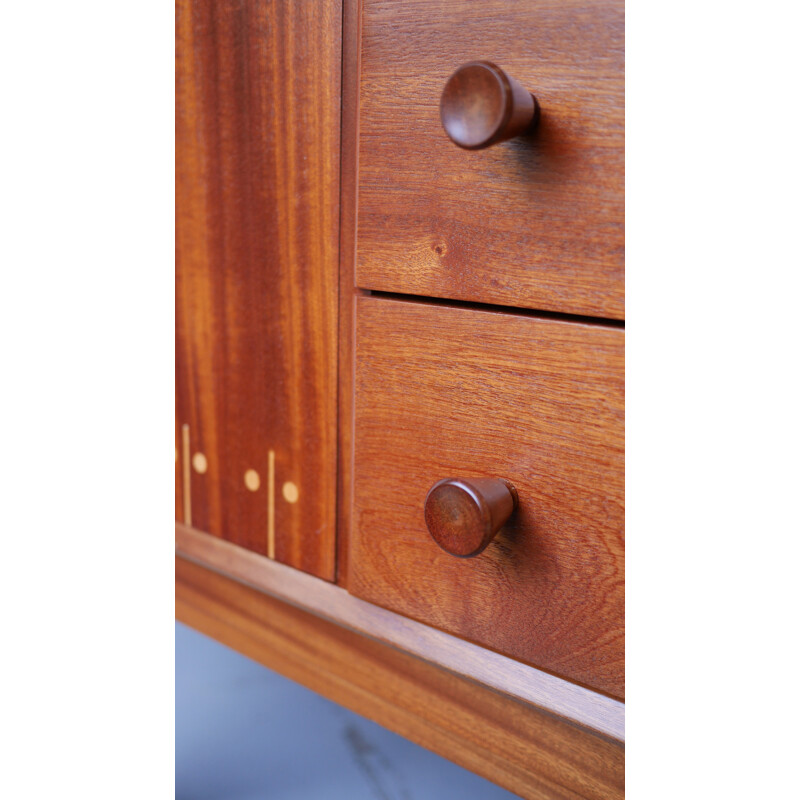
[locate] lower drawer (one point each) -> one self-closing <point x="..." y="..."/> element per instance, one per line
<point x="450" y="392"/>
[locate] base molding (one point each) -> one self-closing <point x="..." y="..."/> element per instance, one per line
<point x="517" y="745"/>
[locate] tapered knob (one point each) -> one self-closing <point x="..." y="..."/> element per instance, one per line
<point x="482" y="105"/>
<point x="464" y="514"/>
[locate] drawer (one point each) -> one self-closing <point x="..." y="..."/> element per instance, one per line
<point x="534" y="222"/>
<point x="451" y="392"/>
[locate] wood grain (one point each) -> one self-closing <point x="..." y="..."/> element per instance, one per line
<point x="446" y="392"/>
<point x="537" y="222"/>
<point x="257" y="216"/>
<point x="578" y="705"/>
<point x="513" y="744"/>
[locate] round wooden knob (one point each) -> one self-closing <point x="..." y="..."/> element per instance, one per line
<point x="464" y="514"/>
<point x="482" y="105"/>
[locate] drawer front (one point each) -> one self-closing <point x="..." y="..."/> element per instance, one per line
<point x="450" y="392"/>
<point x="535" y="222"/>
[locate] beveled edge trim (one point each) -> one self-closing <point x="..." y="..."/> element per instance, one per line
<point x="577" y="704"/>
<point x="348" y="240"/>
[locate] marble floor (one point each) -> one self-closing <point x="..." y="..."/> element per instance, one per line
<point x="244" y="732"/>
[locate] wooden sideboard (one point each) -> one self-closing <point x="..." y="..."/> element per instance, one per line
<point x="364" y="309"/>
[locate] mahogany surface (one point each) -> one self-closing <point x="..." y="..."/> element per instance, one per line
<point x="450" y="391"/>
<point x="258" y="109"/>
<point x="269" y="209"/>
<point x="535" y="222"/>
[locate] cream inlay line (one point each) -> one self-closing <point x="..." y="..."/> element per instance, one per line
<point x="187" y="478"/>
<point x="271" y="505"/>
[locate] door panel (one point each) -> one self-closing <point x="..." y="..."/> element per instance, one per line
<point x="257" y="182"/>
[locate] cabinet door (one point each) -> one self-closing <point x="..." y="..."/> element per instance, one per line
<point x="257" y="183"/>
<point x="534" y="222"/>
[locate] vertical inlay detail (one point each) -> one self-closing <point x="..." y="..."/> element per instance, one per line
<point x="187" y="478"/>
<point x="271" y="505"/>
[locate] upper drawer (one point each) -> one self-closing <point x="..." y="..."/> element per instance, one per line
<point x="451" y="392"/>
<point x="535" y="222"/>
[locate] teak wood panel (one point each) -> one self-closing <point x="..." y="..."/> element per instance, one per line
<point x="535" y="222"/>
<point x="258" y="95"/>
<point x="452" y="392"/>
<point x="528" y="751"/>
